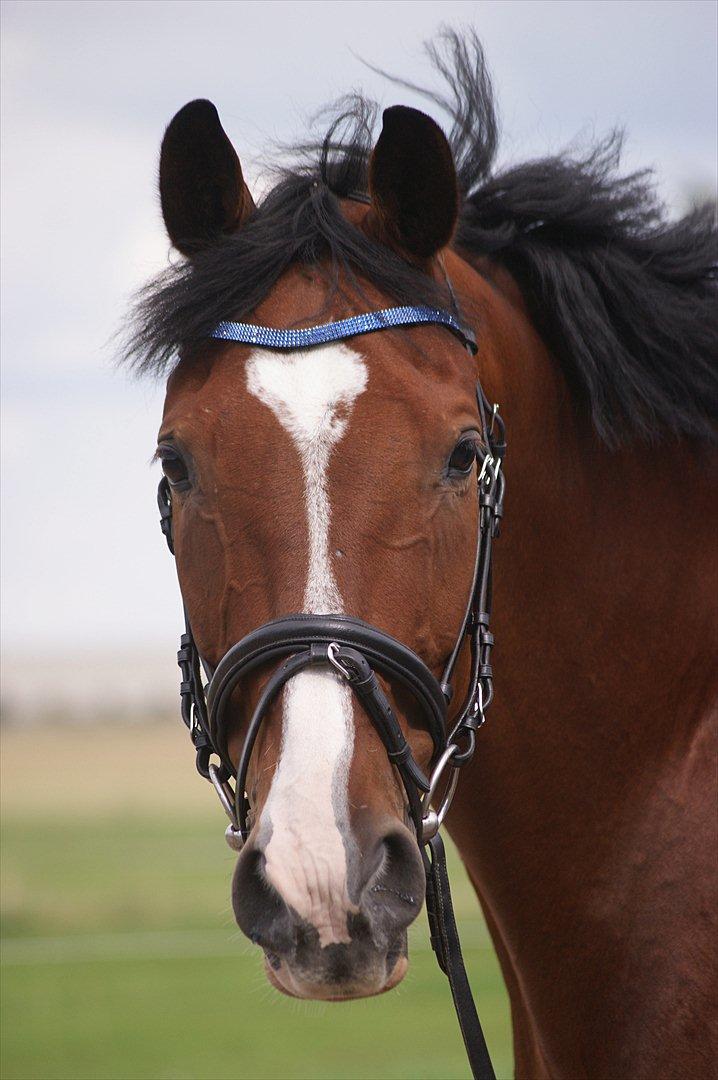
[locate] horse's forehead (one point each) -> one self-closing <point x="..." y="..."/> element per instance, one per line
<point x="309" y="391"/>
<point x="414" y="392"/>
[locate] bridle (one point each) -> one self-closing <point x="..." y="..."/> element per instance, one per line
<point x="357" y="651"/>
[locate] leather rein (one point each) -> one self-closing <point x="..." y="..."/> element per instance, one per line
<point x="357" y="651"/>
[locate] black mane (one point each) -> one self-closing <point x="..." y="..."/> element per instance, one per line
<point x="624" y="298"/>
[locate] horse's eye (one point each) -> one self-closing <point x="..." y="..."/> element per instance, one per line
<point x="463" y="456"/>
<point x="174" y="468"/>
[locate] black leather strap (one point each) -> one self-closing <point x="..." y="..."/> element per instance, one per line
<point x="362" y="680"/>
<point x="282" y="637"/>
<point x="445" y="943"/>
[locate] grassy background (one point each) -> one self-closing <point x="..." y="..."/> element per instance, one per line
<point x="120" y="957"/>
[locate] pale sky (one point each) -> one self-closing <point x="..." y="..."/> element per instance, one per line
<point x="87" y="91"/>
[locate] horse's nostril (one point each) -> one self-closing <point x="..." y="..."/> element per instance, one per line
<point x="258" y="908"/>
<point x="406" y="897"/>
<point x="394" y="892"/>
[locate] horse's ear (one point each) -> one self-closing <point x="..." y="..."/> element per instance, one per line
<point x="412" y="183"/>
<point x="202" y="189"/>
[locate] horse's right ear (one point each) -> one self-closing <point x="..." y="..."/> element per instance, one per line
<point x="202" y="189"/>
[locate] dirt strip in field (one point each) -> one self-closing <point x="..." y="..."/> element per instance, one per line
<point x="100" y="769"/>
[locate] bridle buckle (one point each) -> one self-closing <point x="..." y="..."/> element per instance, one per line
<point x="344" y="671"/>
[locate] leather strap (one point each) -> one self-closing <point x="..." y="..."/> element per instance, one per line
<point x="447" y="947"/>
<point x="282" y="637"/>
<point x="361" y="679"/>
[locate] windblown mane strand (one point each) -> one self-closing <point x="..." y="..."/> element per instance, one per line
<point x="624" y="298"/>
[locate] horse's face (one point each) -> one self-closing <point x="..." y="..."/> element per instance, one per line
<point x="337" y="479"/>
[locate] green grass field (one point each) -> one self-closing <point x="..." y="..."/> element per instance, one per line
<point x="120" y="957"/>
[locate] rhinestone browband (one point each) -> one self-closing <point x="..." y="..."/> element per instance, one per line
<point x="270" y="337"/>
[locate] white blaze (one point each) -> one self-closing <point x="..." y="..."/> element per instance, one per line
<point x="311" y="393"/>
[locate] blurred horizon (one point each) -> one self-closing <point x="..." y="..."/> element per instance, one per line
<point x="87" y="91"/>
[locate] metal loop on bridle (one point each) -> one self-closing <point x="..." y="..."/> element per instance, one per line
<point x="432" y="820"/>
<point x="224" y="792"/>
<point x="233" y="833"/>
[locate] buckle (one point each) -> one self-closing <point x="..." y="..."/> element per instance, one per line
<point x="346" y="672"/>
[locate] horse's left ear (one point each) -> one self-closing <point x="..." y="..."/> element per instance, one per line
<point x="412" y="183"/>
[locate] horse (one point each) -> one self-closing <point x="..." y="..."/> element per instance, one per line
<point x="341" y="480"/>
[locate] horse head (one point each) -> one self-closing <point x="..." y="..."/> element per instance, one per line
<point x="336" y="479"/>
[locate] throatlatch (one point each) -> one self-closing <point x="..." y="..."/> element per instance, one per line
<point x="357" y="651"/>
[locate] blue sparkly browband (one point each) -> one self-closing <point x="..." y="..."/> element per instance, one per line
<point x="270" y="337"/>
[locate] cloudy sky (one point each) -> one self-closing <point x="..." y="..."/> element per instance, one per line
<point x="87" y="90"/>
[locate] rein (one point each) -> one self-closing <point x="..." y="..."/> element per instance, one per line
<point x="356" y="651"/>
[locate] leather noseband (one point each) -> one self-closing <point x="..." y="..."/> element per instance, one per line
<point x="354" y="648"/>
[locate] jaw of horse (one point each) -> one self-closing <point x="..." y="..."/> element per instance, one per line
<point x="330" y="957"/>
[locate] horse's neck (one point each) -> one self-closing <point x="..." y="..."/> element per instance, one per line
<point x="587" y="821"/>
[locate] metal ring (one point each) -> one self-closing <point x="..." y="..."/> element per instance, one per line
<point x="234" y="838"/>
<point x="225" y="794"/>
<point x="432" y="820"/>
